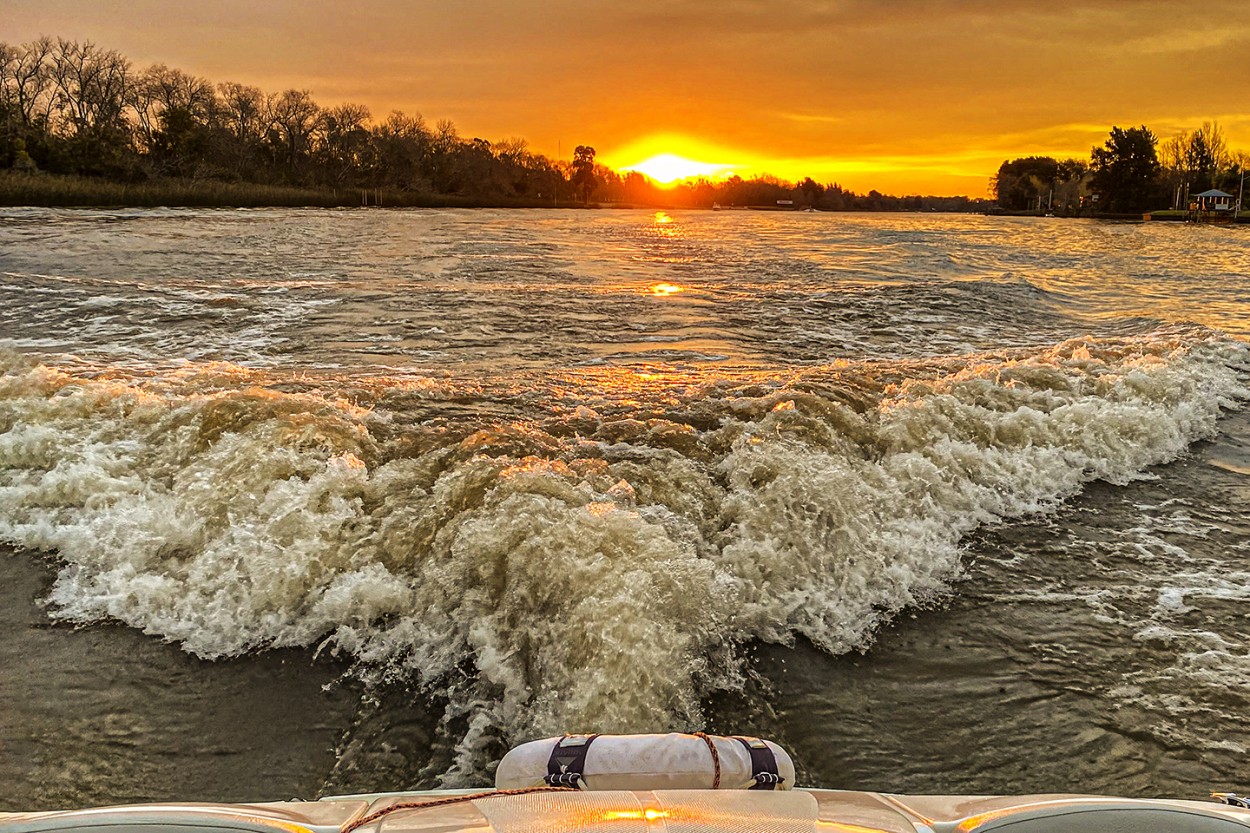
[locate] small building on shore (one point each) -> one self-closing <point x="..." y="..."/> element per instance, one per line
<point x="1213" y="200"/>
<point x="1212" y="206"/>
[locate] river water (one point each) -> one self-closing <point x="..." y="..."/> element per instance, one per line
<point x="314" y="501"/>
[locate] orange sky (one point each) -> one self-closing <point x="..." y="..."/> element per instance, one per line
<point x="900" y="95"/>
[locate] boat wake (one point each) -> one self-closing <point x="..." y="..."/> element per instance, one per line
<point x="592" y="553"/>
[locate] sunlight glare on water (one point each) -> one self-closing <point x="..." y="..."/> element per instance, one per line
<point x="572" y="470"/>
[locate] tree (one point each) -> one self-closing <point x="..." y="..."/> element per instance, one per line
<point x="242" y="110"/>
<point x="26" y="86"/>
<point x="240" y="128"/>
<point x="812" y="191"/>
<point x="343" y="140"/>
<point x="584" y="171"/>
<point x="158" y="91"/>
<point x="401" y="148"/>
<point x="443" y="144"/>
<point x="292" y="116"/>
<point x="1126" y="170"/>
<point x="1071" y="184"/>
<point x="519" y="165"/>
<point x="91" y="96"/>
<point x="1020" y="184"/>
<point x="1195" y="161"/>
<point x="21" y="159"/>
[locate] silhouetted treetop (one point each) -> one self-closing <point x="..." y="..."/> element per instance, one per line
<point x="1126" y="170"/>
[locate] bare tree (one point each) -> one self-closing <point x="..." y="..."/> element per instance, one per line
<point x="443" y="168"/>
<point x="340" y="121"/>
<point x="1194" y="160"/>
<point x="8" y="63"/>
<point x="26" y="85"/>
<point x="445" y="136"/>
<point x="514" y="149"/>
<point x="342" y="140"/>
<point x="90" y="86"/>
<point x="71" y="107"/>
<point x="401" y="149"/>
<point x="159" y="90"/>
<point x="293" y="116"/>
<point x="242" y="111"/>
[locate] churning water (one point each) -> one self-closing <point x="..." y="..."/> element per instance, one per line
<point x="941" y="503"/>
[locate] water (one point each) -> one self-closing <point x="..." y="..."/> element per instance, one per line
<point x="941" y="503"/>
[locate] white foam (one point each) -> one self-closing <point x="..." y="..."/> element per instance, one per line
<point x="597" y="578"/>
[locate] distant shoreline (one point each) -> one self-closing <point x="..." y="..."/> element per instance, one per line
<point x="1159" y="216"/>
<point x="45" y="190"/>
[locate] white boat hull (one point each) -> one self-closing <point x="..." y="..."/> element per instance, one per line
<point x="641" y="811"/>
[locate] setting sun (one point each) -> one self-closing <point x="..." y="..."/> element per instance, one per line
<point x="668" y="168"/>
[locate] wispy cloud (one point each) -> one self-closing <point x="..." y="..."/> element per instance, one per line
<point x="810" y="118"/>
<point x="1194" y="42"/>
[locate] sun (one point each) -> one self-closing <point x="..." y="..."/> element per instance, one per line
<point x="668" y="168"/>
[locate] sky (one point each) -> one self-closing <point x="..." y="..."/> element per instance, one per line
<point x="903" y="96"/>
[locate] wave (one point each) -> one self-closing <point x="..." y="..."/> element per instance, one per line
<point x="591" y="556"/>
<point x="128" y="320"/>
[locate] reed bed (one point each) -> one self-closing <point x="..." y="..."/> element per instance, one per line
<point x="39" y="189"/>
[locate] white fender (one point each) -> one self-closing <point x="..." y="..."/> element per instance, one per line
<point x="643" y="762"/>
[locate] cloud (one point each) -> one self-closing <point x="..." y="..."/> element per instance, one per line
<point x="1207" y="42"/>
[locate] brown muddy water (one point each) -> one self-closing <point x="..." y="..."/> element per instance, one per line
<point x="303" y="502"/>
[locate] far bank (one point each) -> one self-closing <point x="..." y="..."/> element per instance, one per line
<point x="68" y="191"/>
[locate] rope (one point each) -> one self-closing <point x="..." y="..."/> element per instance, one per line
<point x="711" y="747"/>
<point x="458" y="799"/>
<point x="442" y="802"/>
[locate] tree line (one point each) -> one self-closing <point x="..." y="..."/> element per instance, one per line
<point x="74" y="108"/>
<point x="769" y="191"/>
<point x="1132" y="172"/>
<point x="70" y="107"/>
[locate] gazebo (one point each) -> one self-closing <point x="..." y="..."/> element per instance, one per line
<point x="1214" y="206"/>
<point x="1213" y="200"/>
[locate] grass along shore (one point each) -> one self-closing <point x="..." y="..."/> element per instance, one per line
<point x="39" y="189"/>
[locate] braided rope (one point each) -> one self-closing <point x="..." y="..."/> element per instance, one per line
<point x="442" y="802"/>
<point x="459" y="799"/>
<point x="711" y="747"/>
